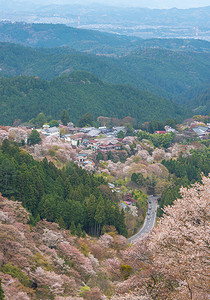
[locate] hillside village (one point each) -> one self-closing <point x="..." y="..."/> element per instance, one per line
<point x="88" y="141"/>
<point x="104" y="150"/>
<point x="117" y="155"/>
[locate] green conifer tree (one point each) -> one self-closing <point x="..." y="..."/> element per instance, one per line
<point x="34" y="138"/>
<point x="99" y="156"/>
<point x="110" y="156"/>
<point x="122" y="225"/>
<point x="40" y="120"/>
<point x="100" y="214"/>
<point x="84" y="234"/>
<point x="61" y="222"/>
<point x="79" y="230"/>
<point x="1" y="292"/>
<point x="86" y="120"/>
<point x="91" y="209"/>
<point x="65" y="117"/>
<point x="73" y="228"/>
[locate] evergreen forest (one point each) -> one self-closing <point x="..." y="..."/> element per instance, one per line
<point x="184" y="171"/>
<point x="24" y="97"/>
<point x="177" y="75"/>
<point x="69" y="196"/>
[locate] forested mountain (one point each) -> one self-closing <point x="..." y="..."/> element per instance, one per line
<point x="57" y="35"/>
<point x="91" y="41"/>
<point x="176" y="44"/>
<point x="80" y="92"/>
<point x="184" y="171"/>
<point x="173" y="74"/>
<point x="201" y="102"/>
<point x="70" y="195"/>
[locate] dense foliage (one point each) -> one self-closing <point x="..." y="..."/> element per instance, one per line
<point x="201" y="101"/>
<point x="155" y="125"/>
<point x="167" y="73"/>
<point x="184" y="171"/>
<point x="64" y="117"/>
<point x="176" y="44"/>
<point x="57" y="35"/>
<point x="59" y="195"/>
<point x="180" y="243"/>
<point x="16" y="272"/>
<point x="173" y="74"/>
<point x="78" y="93"/>
<point x="34" y="138"/>
<point x="1" y="292"/>
<point x="158" y="140"/>
<point x="86" y="120"/>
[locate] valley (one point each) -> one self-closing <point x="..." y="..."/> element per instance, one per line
<point x="104" y="152"/>
<point x="135" y="22"/>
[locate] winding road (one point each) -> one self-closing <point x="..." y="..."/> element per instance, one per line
<point x="149" y="221"/>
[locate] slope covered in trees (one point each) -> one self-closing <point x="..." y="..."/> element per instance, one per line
<point x="184" y="171"/>
<point x="80" y="92"/>
<point x="176" y="44"/>
<point x="171" y="74"/>
<point x="174" y="74"/>
<point x="68" y="196"/>
<point x="180" y="242"/>
<point x="201" y="102"/>
<point x="57" y="35"/>
<point x="47" y="262"/>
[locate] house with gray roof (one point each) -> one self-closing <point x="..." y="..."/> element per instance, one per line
<point x="52" y="131"/>
<point x="200" y="130"/>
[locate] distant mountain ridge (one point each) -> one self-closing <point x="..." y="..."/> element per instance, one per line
<point x="171" y="74"/>
<point x="57" y="35"/>
<point x="90" y="41"/>
<point x="134" y="21"/>
<point x="194" y="45"/>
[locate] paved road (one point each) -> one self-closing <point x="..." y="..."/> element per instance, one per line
<point x="149" y="221"/>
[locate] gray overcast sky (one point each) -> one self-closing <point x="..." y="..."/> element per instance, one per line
<point x="139" y="3"/>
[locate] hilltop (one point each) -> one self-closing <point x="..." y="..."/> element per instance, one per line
<point x="171" y="74"/>
<point x="58" y="35"/>
<point x="90" y="41"/>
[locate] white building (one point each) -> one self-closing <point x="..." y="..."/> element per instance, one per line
<point x="52" y="131"/>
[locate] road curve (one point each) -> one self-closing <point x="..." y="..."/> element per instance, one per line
<point x="149" y="221"/>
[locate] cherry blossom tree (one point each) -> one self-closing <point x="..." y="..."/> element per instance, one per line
<point x="82" y="263"/>
<point x="105" y="240"/>
<point x="180" y="243"/>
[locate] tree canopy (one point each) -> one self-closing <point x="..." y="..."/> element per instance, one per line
<point x="21" y="98"/>
<point x="65" y="117"/>
<point x="86" y="120"/>
<point x="34" y="138"/>
<point x="184" y="171"/>
<point x="69" y="196"/>
<point x="180" y="242"/>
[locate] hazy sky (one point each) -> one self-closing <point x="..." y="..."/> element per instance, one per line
<point x="139" y="3"/>
<point x="147" y="3"/>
